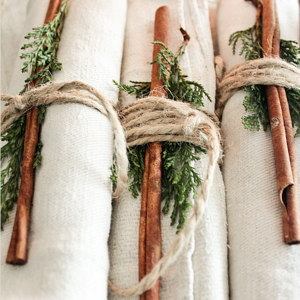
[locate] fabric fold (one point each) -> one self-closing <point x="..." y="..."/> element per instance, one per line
<point x="261" y="266"/>
<point x="70" y="220"/>
<point x="201" y="271"/>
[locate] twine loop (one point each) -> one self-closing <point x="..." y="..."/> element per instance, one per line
<point x="146" y="120"/>
<point x="263" y="71"/>
<point x="71" y="92"/>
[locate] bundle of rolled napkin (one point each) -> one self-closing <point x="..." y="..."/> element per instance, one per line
<point x="201" y="271"/>
<point x="71" y="214"/>
<point x="261" y="266"/>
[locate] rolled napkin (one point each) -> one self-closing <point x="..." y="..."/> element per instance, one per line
<point x="70" y="220"/>
<point x="261" y="265"/>
<point x="201" y="271"/>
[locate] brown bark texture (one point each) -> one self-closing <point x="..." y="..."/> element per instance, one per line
<point x="150" y="226"/>
<point x="18" y="248"/>
<point x="282" y="132"/>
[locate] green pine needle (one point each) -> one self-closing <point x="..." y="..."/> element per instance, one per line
<point x="179" y="177"/>
<point x="43" y="54"/>
<point x="256" y="100"/>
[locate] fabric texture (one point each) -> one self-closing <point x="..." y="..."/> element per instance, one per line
<point x="261" y="266"/>
<point x="201" y="272"/>
<point x="70" y="220"/>
<point x="13" y="14"/>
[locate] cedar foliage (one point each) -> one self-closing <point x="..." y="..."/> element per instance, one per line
<point x="179" y="177"/>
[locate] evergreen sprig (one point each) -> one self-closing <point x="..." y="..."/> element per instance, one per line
<point x="13" y="149"/>
<point x="176" y="84"/>
<point x="256" y="100"/>
<point x="250" y="44"/>
<point x="179" y="177"/>
<point x="139" y="88"/>
<point x="178" y="87"/>
<point x="42" y="61"/>
<point x="290" y="52"/>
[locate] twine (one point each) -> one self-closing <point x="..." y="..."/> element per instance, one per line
<point x="159" y="119"/>
<point x="71" y="92"/>
<point x="146" y="120"/>
<point x="264" y="71"/>
<point x="154" y="119"/>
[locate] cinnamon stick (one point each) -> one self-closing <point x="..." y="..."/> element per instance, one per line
<point x="17" y="252"/>
<point x="143" y="221"/>
<point x="150" y="227"/>
<point x="282" y="132"/>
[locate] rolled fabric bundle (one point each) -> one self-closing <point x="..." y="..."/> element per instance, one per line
<point x="201" y="270"/>
<point x="70" y="220"/>
<point x="261" y="265"/>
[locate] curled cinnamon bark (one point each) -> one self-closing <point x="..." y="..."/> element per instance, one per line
<point x="150" y="227"/>
<point x="143" y="221"/>
<point x="17" y="252"/>
<point x="282" y="132"/>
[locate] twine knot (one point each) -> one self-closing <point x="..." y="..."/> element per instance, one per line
<point x="15" y="101"/>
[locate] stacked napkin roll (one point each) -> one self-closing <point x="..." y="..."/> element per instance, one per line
<point x="261" y="266"/>
<point x="201" y="271"/>
<point x="71" y="213"/>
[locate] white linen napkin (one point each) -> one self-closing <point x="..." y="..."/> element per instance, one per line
<point x="201" y="271"/>
<point x="261" y="265"/>
<point x="70" y="220"/>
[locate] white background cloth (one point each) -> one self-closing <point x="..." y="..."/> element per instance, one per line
<point x="70" y="220"/>
<point x="261" y="266"/>
<point x="201" y="272"/>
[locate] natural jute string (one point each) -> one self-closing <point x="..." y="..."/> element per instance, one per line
<point x="264" y="71"/>
<point x="159" y="119"/>
<point x="146" y="120"/>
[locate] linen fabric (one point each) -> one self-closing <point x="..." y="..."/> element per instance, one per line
<point x="261" y="266"/>
<point x="71" y="213"/>
<point x="201" y="271"/>
<point x="12" y="21"/>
